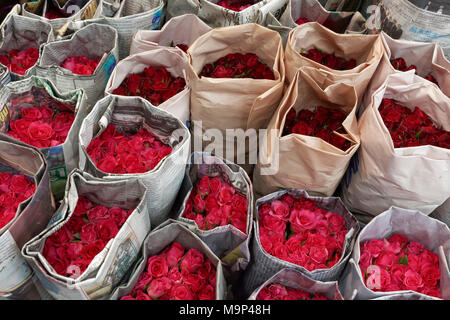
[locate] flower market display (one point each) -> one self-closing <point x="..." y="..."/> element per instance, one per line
<point x="234" y="150"/>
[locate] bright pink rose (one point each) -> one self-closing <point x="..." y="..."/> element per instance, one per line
<point x="157" y="266"/>
<point x="302" y="220"/>
<point x="192" y="260"/>
<point x="412" y="280"/>
<point x="181" y="292"/>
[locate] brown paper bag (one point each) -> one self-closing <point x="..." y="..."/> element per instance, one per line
<point x="184" y="29"/>
<point x="300" y="161"/>
<point x="427" y="57"/>
<point x="175" y="61"/>
<point x="234" y="103"/>
<point x="367" y="50"/>
<point x="412" y="177"/>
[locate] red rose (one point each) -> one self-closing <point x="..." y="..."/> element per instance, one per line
<point x="89" y="232"/>
<point x="106" y="229"/>
<point x="157" y="266"/>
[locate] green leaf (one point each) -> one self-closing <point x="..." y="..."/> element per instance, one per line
<point x="403" y="260"/>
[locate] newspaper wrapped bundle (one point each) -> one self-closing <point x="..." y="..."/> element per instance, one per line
<point x="400" y="176"/>
<point x="412" y="224"/>
<point x="109" y="266"/>
<point x="21" y="33"/>
<point x="229" y="243"/>
<point x="94" y="41"/>
<point x="127" y="17"/>
<point x="35" y="91"/>
<point x="176" y="63"/>
<point x="294" y="279"/>
<point x="163" y="181"/>
<point x="228" y="103"/>
<point x="75" y="10"/>
<point x="33" y="214"/>
<point x="307" y="162"/>
<point x="218" y="16"/>
<point x="263" y="265"/>
<point x="367" y="50"/>
<point x="402" y="19"/>
<point x="5" y="76"/>
<point x="427" y="57"/>
<point x="312" y="10"/>
<point x="158" y="240"/>
<point x="184" y="29"/>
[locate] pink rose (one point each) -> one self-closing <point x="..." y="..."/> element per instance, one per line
<point x="194" y="282"/>
<point x="174" y="254"/>
<point x="318" y="254"/>
<point x="207" y="293"/>
<point x="415" y="248"/>
<point x="412" y="280"/>
<point x="386" y="260"/>
<point x="280" y="209"/>
<point x="226" y="193"/>
<point x="159" y="287"/>
<point x="374" y="247"/>
<point x="192" y="260"/>
<point x="181" y="292"/>
<point x="335" y="222"/>
<point x="199" y="203"/>
<point x="302" y="220"/>
<point x="202" y="186"/>
<point x="430" y="274"/>
<point x="274" y="224"/>
<point x="157" y="266"/>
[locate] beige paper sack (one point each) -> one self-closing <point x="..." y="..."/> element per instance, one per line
<point x="302" y="161"/>
<point x="175" y="61"/>
<point x="235" y="103"/>
<point x="367" y="50"/>
<point x="384" y="176"/>
<point x="337" y="21"/>
<point x="184" y="29"/>
<point x="427" y="57"/>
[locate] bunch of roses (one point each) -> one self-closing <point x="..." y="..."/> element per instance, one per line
<point x="41" y="127"/>
<point x="14" y="189"/>
<point x="411" y="128"/>
<point x="71" y="249"/>
<point x="176" y="273"/>
<point x="236" y="5"/>
<point x="321" y="123"/>
<point x="155" y="84"/>
<point x="300" y="232"/>
<point x="400" y="64"/>
<point x="20" y="61"/>
<point x="397" y="263"/>
<point x="278" y="291"/>
<point x="214" y="203"/>
<point x="238" y="65"/>
<point x="329" y="60"/>
<point x="80" y="65"/>
<point x="119" y="152"/>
